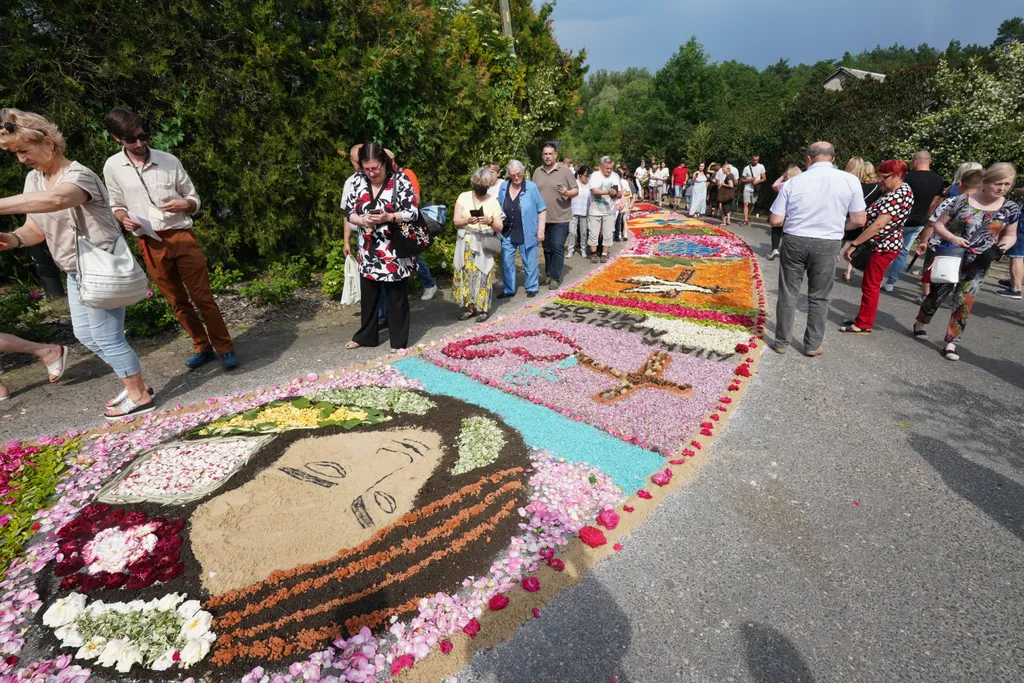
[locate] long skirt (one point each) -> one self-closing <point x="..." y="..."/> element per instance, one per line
<point x="474" y="288"/>
<point x="699" y="200"/>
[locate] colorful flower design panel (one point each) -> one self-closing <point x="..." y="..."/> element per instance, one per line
<point x="609" y="378"/>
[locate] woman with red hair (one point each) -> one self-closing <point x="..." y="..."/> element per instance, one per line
<point x="884" y="231"/>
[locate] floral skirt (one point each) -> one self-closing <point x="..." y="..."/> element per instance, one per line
<point x="474" y="288"/>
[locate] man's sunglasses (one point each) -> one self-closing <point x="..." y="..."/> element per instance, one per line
<point x="132" y="139"/>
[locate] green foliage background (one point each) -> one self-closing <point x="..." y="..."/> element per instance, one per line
<point x="261" y="100"/>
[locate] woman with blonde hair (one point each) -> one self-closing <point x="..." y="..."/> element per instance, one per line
<point x="63" y="199"/>
<point x="985" y="224"/>
<point x="791" y="172"/>
<point x="854" y="165"/>
<point x="479" y="218"/>
<point x="955" y="190"/>
<point x="872" y="190"/>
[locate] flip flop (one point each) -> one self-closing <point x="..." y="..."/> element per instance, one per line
<point x="853" y="329"/>
<point x="131" y="408"/>
<point x="56" y="369"/>
<point x="119" y="399"/>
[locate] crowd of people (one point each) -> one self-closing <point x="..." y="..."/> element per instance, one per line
<point x="873" y="219"/>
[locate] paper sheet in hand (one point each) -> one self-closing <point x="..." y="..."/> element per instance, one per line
<point x="147" y="227"/>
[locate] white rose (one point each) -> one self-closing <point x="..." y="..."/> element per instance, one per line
<point x="194" y="651"/>
<point x="111" y="652"/>
<point x="130" y="655"/>
<point x="164" y="661"/>
<point x="92" y="649"/>
<point x="64" y="611"/>
<point x="197" y="626"/>
<point x="169" y="602"/>
<point x="136" y="605"/>
<point x="69" y="636"/>
<point x="189" y="608"/>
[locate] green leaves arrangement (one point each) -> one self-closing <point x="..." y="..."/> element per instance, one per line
<point x="306" y="414"/>
<point x="28" y="479"/>
<point x="393" y="399"/>
<point x="480" y="443"/>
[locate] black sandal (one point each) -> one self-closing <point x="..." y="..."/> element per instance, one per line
<point x="483" y="317"/>
<point x="467" y="314"/>
<point x="850" y="328"/>
<point x="950" y="353"/>
<point x="919" y="334"/>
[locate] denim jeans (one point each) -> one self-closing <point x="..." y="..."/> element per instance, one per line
<point x="554" y="249"/>
<point x="102" y="332"/>
<point x="423" y="273"/>
<point x="508" y="266"/>
<point x="910" y="233"/>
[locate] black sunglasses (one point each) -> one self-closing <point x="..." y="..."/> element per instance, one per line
<point x="132" y="139"/>
<point x="10" y="127"/>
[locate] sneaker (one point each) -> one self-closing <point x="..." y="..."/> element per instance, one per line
<point x="888" y="287"/>
<point x="530" y="295"/>
<point x="1006" y="284"/>
<point x="554" y="284"/>
<point x="1009" y="293"/>
<point x="816" y="352"/>
<point x="543" y="279"/>
<point x="593" y="258"/>
<point x="428" y="293"/>
<point x="200" y="359"/>
<point x="774" y="255"/>
<point x="229" y="360"/>
<point x="506" y="295"/>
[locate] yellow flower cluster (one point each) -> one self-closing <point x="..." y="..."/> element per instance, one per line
<point x="289" y="417"/>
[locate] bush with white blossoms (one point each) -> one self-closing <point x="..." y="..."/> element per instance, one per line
<point x="157" y="634"/>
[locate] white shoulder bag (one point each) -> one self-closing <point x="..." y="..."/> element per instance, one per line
<point x="107" y="279"/>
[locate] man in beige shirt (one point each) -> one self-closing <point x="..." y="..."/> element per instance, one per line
<point x="154" y="186"/>
<point x="557" y="186"/>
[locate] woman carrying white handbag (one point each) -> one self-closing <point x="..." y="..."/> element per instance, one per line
<point x="65" y="205"/>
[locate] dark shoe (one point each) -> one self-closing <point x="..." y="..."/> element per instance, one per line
<point x="1006" y="284"/>
<point x="530" y="295"/>
<point x="543" y="279"/>
<point x="615" y="239"/>
<point x="382" y="322"/>
<point x="604" y="259"/>
<point x="200" y="359"/>
<point x="483" y="317"/>
<point x="554" y="284"/>
<point x="593" y="258"/>
<point x="229" y="360"/>
<point x="505" y="295"/>
<point x="1009" y="293"/>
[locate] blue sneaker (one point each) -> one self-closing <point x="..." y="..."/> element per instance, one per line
<point x="229" y="360"/>
<point x="200" y="359"/>
<point x="888" y="287"/>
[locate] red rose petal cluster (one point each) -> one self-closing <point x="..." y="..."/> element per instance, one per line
<point x="161" y="564"/>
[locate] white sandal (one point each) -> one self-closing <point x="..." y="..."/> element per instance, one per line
<point x="131" y="409"/>
<point x="119" y="399"/>
<point x="56" y="369"/>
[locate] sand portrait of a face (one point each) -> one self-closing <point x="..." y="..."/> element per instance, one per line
<point x="328" y="530"/>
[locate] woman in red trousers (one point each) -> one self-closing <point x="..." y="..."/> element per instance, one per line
<point x="884" y="232"/>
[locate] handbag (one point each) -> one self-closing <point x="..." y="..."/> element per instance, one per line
<point x="861" y="256"/>
<point x="351" y="293"/>
<point x="107" y="279"/>
<point x="727" y="194"/>
<point x="489" y="241"/>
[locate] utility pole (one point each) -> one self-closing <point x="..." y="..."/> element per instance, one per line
<point x="506" y="22"/>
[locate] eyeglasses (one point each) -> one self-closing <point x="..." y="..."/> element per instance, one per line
<point x="132" y="139"/>
<point x="885" y="176"/>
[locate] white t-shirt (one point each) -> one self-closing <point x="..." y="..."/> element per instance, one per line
<point x="602" y="205"/>
<point x="640" y="174"/>
<point x="494" y="189"/>
<point x="581" y="202"/>
<point x="754" y="172"/>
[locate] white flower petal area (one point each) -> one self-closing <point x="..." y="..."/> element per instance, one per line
<point x="721" y="340"/>
<point x="179" y="472"/>
<point x="158" y="635"/>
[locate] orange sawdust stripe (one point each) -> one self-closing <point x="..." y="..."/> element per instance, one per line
<point x="368" y="563"/>
<point x="227" y="652"/>
<point x="378" y="617"/>
<point x="406" y="520"/>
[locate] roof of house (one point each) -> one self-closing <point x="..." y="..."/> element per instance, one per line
<point x="855" y="73"/>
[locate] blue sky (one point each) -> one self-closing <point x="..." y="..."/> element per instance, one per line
<point x="623" y="33"/>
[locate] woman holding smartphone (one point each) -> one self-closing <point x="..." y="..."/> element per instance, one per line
<point x="477" y="215"/>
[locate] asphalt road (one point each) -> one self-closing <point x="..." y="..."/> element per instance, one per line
<point x="861" y="519"/>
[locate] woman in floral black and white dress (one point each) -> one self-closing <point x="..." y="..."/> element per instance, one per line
<point x="378" y="202"/>
<point x="885" y="233"/>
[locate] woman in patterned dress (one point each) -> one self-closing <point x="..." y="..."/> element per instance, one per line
<point x="884" y="231"/>
<point x="476" y="214"/>
<point x="381" y="201"/>
<point x="984" y="223"/>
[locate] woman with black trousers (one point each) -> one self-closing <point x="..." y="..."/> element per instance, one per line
<point x="380" y="201"/>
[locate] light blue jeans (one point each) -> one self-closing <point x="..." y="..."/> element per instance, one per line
<point x="102" y="332"/>
<point x="508" y="266"/>
<point x="910" y="233"/>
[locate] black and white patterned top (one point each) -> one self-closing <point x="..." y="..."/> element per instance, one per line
<point x="377" y="259"/>
<point x="897" y="203"/>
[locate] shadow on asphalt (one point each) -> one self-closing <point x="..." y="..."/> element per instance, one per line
<point x="771" y="657"/>
<point x="999" y="497"/>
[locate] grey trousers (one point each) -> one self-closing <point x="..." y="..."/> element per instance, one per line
<point x="816" y="258"/>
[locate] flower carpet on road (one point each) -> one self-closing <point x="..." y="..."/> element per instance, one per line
<point x="388" y="520"/>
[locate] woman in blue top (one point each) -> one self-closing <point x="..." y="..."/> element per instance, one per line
<point x="525" y="213"/>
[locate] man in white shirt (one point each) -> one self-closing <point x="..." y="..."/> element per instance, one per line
<point x="814" y="209"/>
<point x="604" y="191"/>
<point x="751" y="178"/>
<point x="642" y="180"/>
<point x="154" y="186"/>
